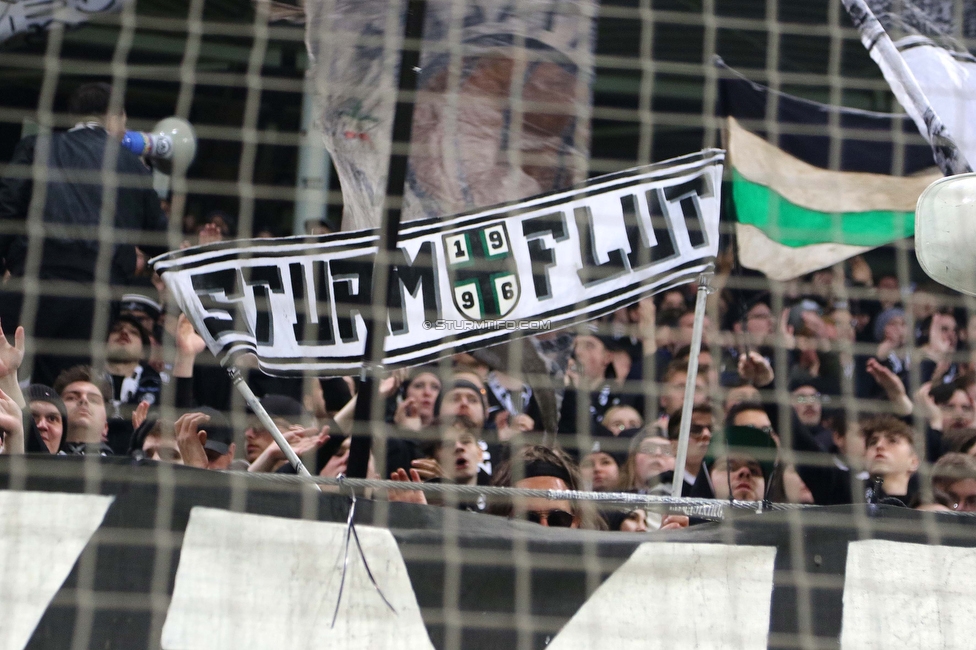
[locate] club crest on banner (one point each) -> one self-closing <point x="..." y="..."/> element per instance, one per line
<point x="484" y="278"/>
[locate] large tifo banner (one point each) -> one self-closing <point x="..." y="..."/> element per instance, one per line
<point x="161" y="557"/>
<point x="502" y="110"/>
<point x="457" y="284"/>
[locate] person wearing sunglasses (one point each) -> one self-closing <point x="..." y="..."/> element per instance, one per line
<point x="700" y="437"/>
<point x="740" y="468"/>
<point x="537" y="467"/>
<point x="807" y="402"/>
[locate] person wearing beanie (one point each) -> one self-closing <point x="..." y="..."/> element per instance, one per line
<point x="891" y="333"/>
<point x="144" y="309"/>
<point x="463" y="398"/>
<point x="889" y="326"/>
<point x="600" y="469"/>
<point x="149" y="313"/>
<point x="50" y="418"/>
<point x="133" y="380"/>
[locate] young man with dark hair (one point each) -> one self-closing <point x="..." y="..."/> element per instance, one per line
<point x="455" y="458"/>
<point x="889" y="460"/>
<point x="85" y="394"/>
<point x="955" y="407"/>
<point x="133" y="379"/>
<point x="738" y="476"/>
<point x="673" y="390"/>
<point x="149" y="313"/>
<point x="700" y="436"/>
<point x="73" y="198"/>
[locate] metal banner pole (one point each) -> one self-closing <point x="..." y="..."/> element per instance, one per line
<point x="684" y="431"/>
<point x="368" y="405"/>
<point x="252" y="401"/>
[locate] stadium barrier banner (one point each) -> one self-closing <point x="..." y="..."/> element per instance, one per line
<point x="176" y="557"/>
<point x="460" y="283"/>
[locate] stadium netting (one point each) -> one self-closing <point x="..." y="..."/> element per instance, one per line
<point x="830" y="467"/>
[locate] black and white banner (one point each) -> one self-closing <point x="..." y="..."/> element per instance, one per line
<point x="178" y="558"/>
<point x="26" y="16"/>
<point x="460" y="283"/>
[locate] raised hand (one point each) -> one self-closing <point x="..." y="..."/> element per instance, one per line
<point x="406" y="496"/>
<point x="190" y="439"/>
<point x="407" y="415"/>
<point x="210" y="234"/>
<point x="886" y="378"/>
<point x="187" y="340"/>
<point x="509" y="427"/>
<point x="389" y="385"/>
<point x="523" y="423"/>
<point x="139" y="414"/>
<point x="11" y="356"/>
<point x="754" y="368"/>
<point x="861" y="272"/>
<point x="11" y="425"/>
<point x="931" y="410"/>
<point x="307" y="443"/>
<point x="428" y="468"/>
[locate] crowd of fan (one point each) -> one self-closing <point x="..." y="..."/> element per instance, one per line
<point x="880" y="380"/>
<point x="618" y="422"/>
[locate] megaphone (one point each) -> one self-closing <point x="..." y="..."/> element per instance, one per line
<point x="171" y="145"/>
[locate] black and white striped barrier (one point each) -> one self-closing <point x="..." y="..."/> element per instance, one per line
<point x="184" y="559"/>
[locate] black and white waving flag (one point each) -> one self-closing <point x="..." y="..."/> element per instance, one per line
<point x="460" y="283"/>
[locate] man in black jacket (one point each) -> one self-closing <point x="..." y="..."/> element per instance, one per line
<point x="61" y="219"/>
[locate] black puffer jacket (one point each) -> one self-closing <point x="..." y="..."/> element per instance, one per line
<point x="73" y="199"/>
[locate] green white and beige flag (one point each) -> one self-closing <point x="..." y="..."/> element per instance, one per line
<point x="827" y="192"/>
